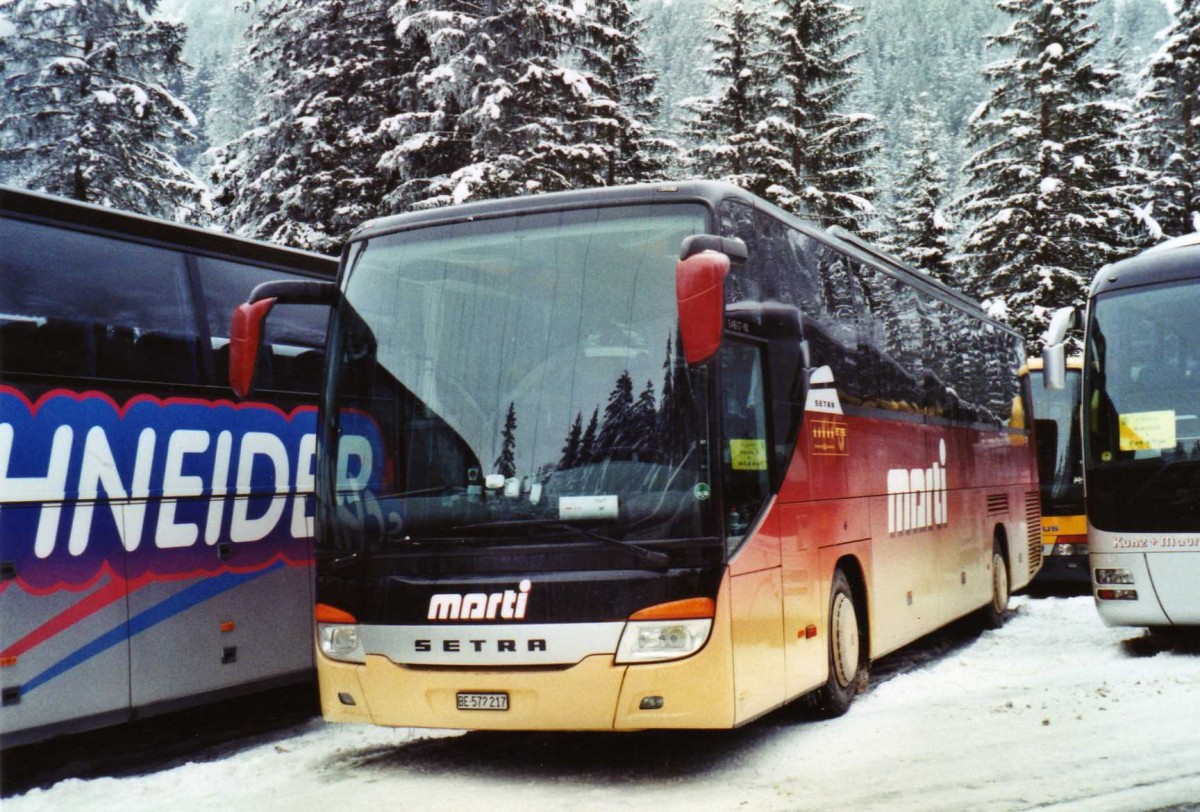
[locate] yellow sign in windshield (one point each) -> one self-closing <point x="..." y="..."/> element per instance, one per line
<point x="1146" y="431"/>
<point x="748" y="455"/>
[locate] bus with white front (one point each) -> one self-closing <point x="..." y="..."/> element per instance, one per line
<point x="155" y="537"/>
<point x="647" y="457"/>
<point x="1060" y="475"/>
<point x="1141" y="434"/>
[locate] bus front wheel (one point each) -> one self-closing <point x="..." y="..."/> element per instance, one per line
<point x="847" y="653"/>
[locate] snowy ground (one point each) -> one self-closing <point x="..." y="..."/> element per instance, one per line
<point x="1053" y="712"/>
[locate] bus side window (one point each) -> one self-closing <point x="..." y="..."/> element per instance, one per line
<point x="79" y="305"/>
<point x="295" y="333"/>
<point x="745" y="444"/>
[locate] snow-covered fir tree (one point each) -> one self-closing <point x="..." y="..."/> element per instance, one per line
<point x="85" y="112"/>
<point x="624" y="102"/>
<point x="729" y="130"/>
<point x="827" y="149"/>
<point x="502" y="111"/>
<point x="919" y="229"/>
<point x="1168" y="106"/>
<point x="1051" y="181"/>
<point x="306" y="174"/>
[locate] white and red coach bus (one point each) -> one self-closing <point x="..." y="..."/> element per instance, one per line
<point x="606" y="487"/>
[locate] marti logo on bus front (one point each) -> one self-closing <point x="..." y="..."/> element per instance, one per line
<point x="506" y="605"/>
<point x="917" y="497"/>
<point x="80" y="475"/>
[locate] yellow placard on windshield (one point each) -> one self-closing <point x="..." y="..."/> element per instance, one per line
<point x="748" y="455"/>
<point x="1147" y="431"/>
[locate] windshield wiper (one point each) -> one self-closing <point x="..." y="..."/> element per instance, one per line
<point x="652" y="558"/>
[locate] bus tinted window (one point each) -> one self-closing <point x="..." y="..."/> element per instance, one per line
<point x="295" y="333"/>
<point x="82" y="305"/>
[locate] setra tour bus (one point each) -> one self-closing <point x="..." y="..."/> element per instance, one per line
<point x="155" y="538"/>
<point x="568" y="479"/>
<point x="1060" y="474"/>
<point x="1141" y="434"/>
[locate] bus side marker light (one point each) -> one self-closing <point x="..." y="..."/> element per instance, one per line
<point x="346" y="699"/>
<point x="810" y="631"/>
<point x="651" y="703"/>
<point x="7" y="662"/>
<point x="228" y="626"/>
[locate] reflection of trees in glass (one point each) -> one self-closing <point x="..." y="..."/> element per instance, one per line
<point x="570" y="451"/>
<point x="648" y="427"/>
<point x="587" y="445"/>
<point x="616" y="430"/>
<point x="506" y="463"/>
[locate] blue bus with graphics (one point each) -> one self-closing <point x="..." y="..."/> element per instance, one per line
<point x="155" y="537"/>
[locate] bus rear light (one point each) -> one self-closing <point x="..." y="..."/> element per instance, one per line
<point x="1113" y="576"/>
<point x="687" y="609"/>
<point x="1117" y="594"/>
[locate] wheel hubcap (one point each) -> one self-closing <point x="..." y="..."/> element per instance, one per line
<point x="845" y="639"/>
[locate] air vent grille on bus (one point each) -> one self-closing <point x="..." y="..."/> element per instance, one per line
<point x="997" y="503"/>
<point x="1033" y="524"/>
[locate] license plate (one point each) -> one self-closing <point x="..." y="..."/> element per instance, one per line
<point x="479" y="701"/>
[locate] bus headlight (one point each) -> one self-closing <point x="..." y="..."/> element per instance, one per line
<point x="341" y="642"/>
<point x="647" y="641"/>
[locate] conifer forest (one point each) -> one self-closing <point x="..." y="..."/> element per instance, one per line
<point x="1010" y="148"/>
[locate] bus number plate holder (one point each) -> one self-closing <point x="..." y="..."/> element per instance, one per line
<point x="483" y="701"/>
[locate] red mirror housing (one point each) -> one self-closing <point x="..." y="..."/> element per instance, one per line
<point x="245" y="339"/>
<point x="700" y="293"/>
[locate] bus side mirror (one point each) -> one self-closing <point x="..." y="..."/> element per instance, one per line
<point x="1054" y="353"/>
<point x="700" y="296"/>
<point x="246" y="331"/>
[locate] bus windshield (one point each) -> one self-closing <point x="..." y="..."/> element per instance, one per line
<point x="518" y="379"/>
<point x="1142" y="390"/>
<point x="1060" y="460"/>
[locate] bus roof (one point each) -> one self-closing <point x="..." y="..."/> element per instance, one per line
<point x="1167" y="262"/>
<point x="87" y="216"/>
<point x="708" y="192"/>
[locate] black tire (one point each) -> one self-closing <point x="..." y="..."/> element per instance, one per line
<point x="995" y="613"/>
<point x="847" y="653"/>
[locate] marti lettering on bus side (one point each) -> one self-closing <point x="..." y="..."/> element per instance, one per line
<point x="83" y="482"/>
<point x="916" y="497"/>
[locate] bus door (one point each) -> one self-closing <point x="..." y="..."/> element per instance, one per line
<point x="756" y="588"/>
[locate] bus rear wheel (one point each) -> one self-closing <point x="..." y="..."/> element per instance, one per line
<point x="847" y="654"/>
<point x="996" y="611"/>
